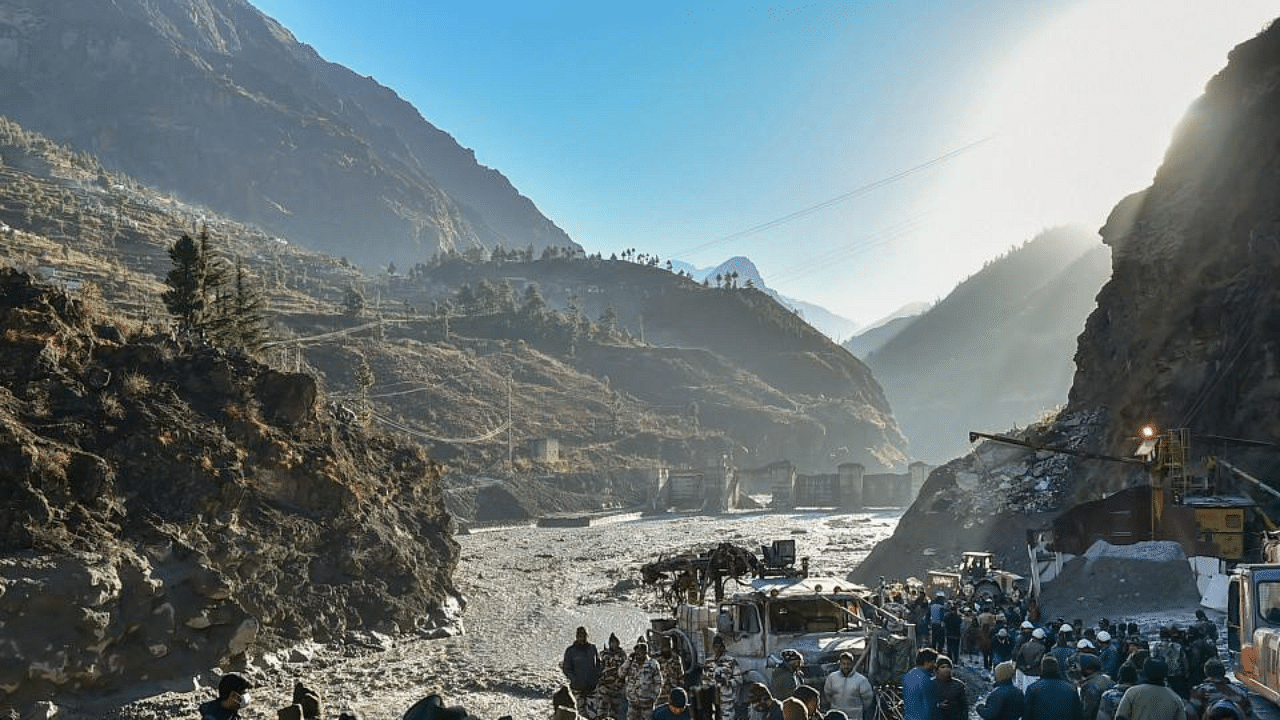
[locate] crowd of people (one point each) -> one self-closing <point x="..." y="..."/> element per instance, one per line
<point x="611" y="683"/>
<point x="1064" y="671"/>
<point x="1051" y="671"/>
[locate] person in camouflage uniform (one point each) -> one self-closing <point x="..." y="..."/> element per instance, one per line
<point x="721" y="671"/>
<point x="672" y="667"/>
<point x="1217" y="687"/>
<point x="1110" y="701"/>
<point x="608" y="695"/>
<point x="642" y="680"/>
<point x="1169" y="649"/>
<point x="1093" y="684"/>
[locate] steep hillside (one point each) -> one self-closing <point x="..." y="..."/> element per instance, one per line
<point x="1184" y="334"/>
<point x="213" y="101"/>
<point x="167" y="507"/>
<point x="996" y="352"/>
<point x="770" y="388"/>
<point x="831" y="324"/>
<point x="876" y="334"/>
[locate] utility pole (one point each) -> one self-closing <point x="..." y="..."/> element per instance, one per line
<point x="511" y="468"/>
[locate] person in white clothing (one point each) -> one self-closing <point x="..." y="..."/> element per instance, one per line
<point x="849" y="691"/>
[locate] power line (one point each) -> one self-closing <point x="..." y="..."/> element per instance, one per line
<point x="888" y="180"/>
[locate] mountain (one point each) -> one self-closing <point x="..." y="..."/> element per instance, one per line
<point x="996" y="351"/>
<point x="829" y="323"/>
<point x="215" y="102"/>
<point x="876" y="334"/>
<point x="1183" y="336"/>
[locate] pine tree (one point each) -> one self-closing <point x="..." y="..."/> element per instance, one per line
<point x="195" y="285"/>
<point x="248" y="311"/>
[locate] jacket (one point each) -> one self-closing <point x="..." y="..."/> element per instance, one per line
<point x="581" y="665"/>
<point x="1004" y="702"/>
<point x="851" y="694"/>
<point x="1052" y="698"/>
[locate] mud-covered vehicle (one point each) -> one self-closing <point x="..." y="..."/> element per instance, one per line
<point x="770" y="606"/>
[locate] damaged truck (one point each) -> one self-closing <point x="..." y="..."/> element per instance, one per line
<point x="761" y="606"/>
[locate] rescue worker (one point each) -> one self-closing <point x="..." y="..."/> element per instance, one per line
<point x="1002" y="646"/>
<point x="1109" y="654"/>
<point x="1093" y="683"/>
<point x="849" y="691"/>
<point x="1004" y="702"/>
<point x="642" y="679"/>
<point x="609" y="690"/>
<point x="1083" y="647"/>
<point x="953" y="626"/>
<point x="761" y="705"/>
<point x="233" y="694"/>
<point x="788" y="676"/>
<point x="721" y="671"/>
<point x="672" y="666"/>
<point x="1208" y="628"/>
<point x="1169" y="649"/>
<point x="581" y="667"/>
<point x="1217" y="687"/>
<point x="1052" y="697"/>
<point x="1110" y="702"/>
<point x="811" y="698"/>
<point x="1030" y="655"/>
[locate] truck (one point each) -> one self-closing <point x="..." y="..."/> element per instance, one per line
<point x="1253" y="626"/>
<point x="777" y="606"/>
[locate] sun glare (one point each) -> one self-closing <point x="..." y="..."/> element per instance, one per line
<point x="1083" y="110"/>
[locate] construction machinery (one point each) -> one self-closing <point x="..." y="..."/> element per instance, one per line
<point x="976" y="579"/>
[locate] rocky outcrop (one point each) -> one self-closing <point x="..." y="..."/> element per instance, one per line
<point x="167" y="508"/>
<point x="214" y="101"/>
<point x="1184" y="334"/>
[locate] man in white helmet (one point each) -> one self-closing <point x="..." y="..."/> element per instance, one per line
<point x="1029" y="656"/>
<point x="1108" y="653"/>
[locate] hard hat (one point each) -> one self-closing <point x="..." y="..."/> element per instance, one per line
<point x="1037" y="634"/>
<point x="790" y="654"/>
<point x="1026" y="625"/>
<point x="1104" y="636"/>
<point x="1084" y="644"/>
<point x="1066" y="627"/>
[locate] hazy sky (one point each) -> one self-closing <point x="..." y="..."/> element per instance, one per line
<point x="795" y="133"/>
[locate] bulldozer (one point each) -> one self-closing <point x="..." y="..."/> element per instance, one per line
<point x="976" y="579"/>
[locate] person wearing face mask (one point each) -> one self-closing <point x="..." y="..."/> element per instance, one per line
<point x="233" y="694"/>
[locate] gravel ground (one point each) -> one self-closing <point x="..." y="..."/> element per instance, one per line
<point x="527" y="589"/>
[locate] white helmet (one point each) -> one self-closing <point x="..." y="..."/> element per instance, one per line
<point x="1037" y="634"/>
<point x="1066" y="627"/>
<point x="1084" y="644"/>
<point x="1026" y="625"/>
<point x="1104" y="636"/>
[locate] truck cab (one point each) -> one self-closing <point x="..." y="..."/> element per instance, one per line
<point x="1253" y="627"/>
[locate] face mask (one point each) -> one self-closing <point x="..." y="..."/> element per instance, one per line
<point x="244" y="700"/>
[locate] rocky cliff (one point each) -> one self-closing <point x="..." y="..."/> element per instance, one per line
<point x="167" y="508"/>
<point x="214" y="101"/>
<point x="1184" y="333"/>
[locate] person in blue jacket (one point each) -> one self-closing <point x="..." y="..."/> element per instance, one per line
<point x="919" y="696"/>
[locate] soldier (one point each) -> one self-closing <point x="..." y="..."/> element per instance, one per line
<point x="609" y="688"/>
<point x="788" y="676"/>
<point x="1217" y="687"/>
<point x="1093" y="684"/>
<point x="1169" y="649"/>
<point x="672" y="667"/>
<point x="1127" y="677"/>
<point x="642" y="679"/>
<point x="581" y="667"/>
<point x="721" y="671"/>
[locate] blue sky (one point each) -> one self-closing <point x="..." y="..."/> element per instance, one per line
<point x="674" y="127"/>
